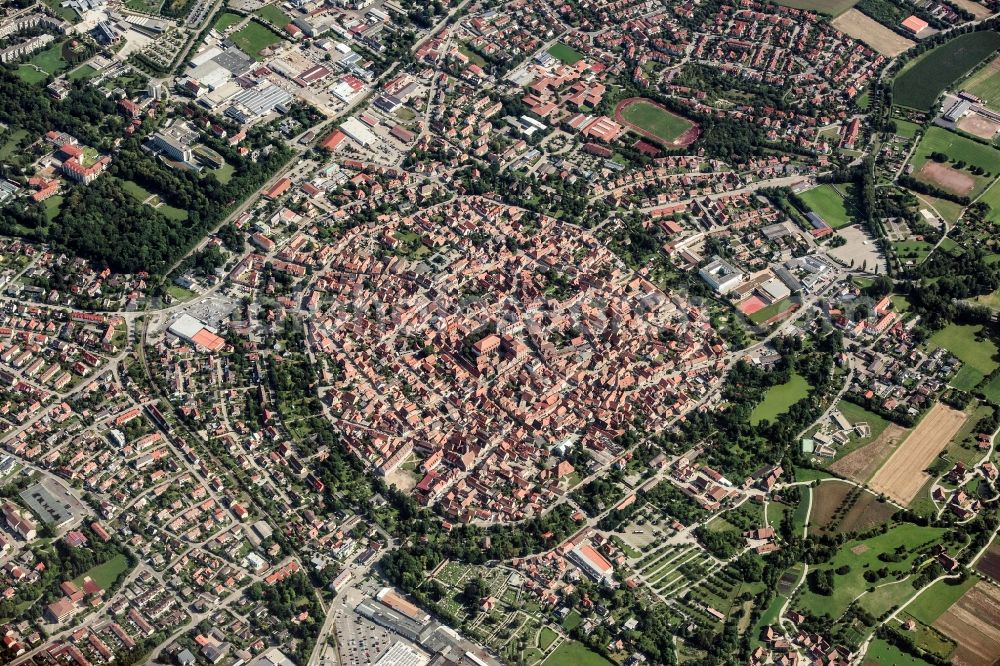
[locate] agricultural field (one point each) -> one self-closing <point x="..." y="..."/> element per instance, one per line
<point x="989" y="563"/>
<point x="661" y="123"/>
<point x="902" y="475"/>
<point x="920" y="83"/>
<point x="253" y="38"/>
<point x="779" y="399"/>
<point x="881" y="653"/>
<point x="568" y="55"/>
<point x="973" y="622"/>
<point x="934" y="601"/>
<point x="840" y="508"/>
<point x="985" y="84"/>
<point x="828" y="202"/>
<point x="977" y="355"/>
<point x="880" y="38"/>
<point x="957" y="148"/>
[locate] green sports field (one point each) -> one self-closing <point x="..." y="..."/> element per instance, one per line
<point x="254" y="38"/>
<point x="827" y="202"/>
<point x="919" y="84"/>
<point x="957" y="147"/>
<point x="568" y="55"/>
<point x="659" y="122"/>
<point x="985" y="84"/>
<point x="779" y="399"/>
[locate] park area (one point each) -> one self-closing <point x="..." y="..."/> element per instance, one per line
<point x="902" y="476"/>
<point x="946" y="175"/>
<point x="254" y="38"/>
<point x="977" y="353"/>
<point x="653" y="121"/>
<point x="566" y="54"/>
<point x="779" y="399"/>
<point x="922" y="80"/>
<point x="829" y="202"/>
<point x="40" y="66"/>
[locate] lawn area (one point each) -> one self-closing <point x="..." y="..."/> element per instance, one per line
<point x="52" y="206"/>
<point x="10" y="145"/>
<point x="274" y="15"/>
<point x="905" y="128"/>
<point x="828" y="202"/>
<point x="572" y="621"/>
<point x="949" y="210"/>
<point x="915" y="251"/>
<point x="568" y="55"/>
<point x="226" y="20"/>
<point x="106" y="574"/>
<point x="857" y="414"/>
<point x="659" y="122"/>
<point x="772" y="310"/>
<point x="985" y="84"/>
<point x="977" y="356"/>
<point x="146" y="6"/>
<point x="571" y="653"/>
<point x="881" y="653"/>
<point x="938" y="598"/>
<point x="992" y="197"/>
<point x="919" y="85"/>
<point x="136" y="190"/>
<point x="992" y="389"/>
<point x="473" y="57"/>
<point x="861" y="556"/>
<point x="957" y="147"/>
<point x="831" y="7"/>
<point x="82" y="72"/>
<point x="779" y="398"/>
<point x="254" y="37"/>
<point x="224" y="173"/>
<point x="545" y="638"/>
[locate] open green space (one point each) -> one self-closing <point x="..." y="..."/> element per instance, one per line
<point x="254" y="37"/>
<point x="659" y="122"/>
<point x="992" y="197"/>
<point x="830" y="7"/>
<point x="224" y="173"/>
<point x="957" y="148"/>
<point x="949" y="210"/>
<point x="11" y="142"/>
<point x="572" y="621"/>
<point x="978" y="356"/>
<point x="857" y="414"/>
<point x="862" y="556"/>
<point x="572" y="653"/>
<point x="226" y="20"/>
<point x="136" y="190"/>
<point x="81" y="72"/>
<point x="779" y="399"/>
<point x="938" y="598"/>
<point x="106" y="574"/>
<point x="991" y="389"/>
<point x="905" y="128"/>
<point x="915" y="251"/>
<point x="985" y="84"/>
<point x="919" y="85"/>
<point x="828" y="202"/>
<point x="274" y="15"/>
<point x="568" y="55"/>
